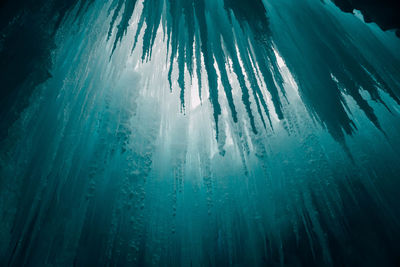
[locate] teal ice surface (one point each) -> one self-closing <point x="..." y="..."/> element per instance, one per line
<point x="207" y="133"/>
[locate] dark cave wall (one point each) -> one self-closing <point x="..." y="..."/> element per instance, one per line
<point x="27" y="31"/>
<point x="385" y="13"/>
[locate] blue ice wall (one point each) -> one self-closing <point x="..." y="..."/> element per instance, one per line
<point x="198" y="133"/>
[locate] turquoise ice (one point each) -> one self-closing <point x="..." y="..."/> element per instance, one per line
<point x="206" y="133"/>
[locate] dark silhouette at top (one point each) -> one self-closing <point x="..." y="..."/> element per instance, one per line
<point x="385" y="13"/>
